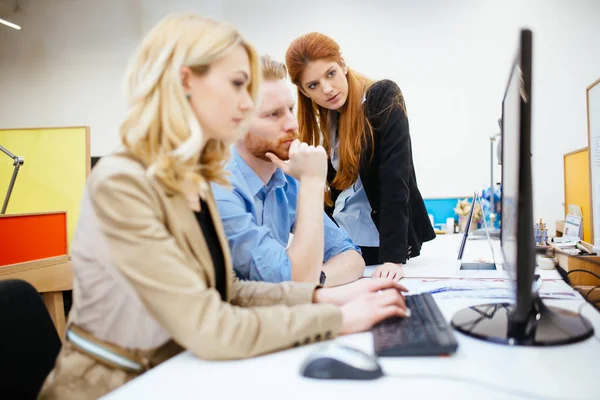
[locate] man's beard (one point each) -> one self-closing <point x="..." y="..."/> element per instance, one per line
<point x="258" y="146"/>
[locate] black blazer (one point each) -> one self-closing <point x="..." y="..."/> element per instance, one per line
<point x="389" y="178"/>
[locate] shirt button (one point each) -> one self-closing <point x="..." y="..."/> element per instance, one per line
<point x="318" y="337"/>
<point x="307" y="340"/>
<point x="327" y="335"/>
<point x="296" y="344"/>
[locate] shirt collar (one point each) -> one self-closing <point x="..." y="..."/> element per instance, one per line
<point x="255" y="184"/>
<point x="278" y="179"/>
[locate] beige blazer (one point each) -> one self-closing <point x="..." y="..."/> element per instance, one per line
<point x="144" y="280"/>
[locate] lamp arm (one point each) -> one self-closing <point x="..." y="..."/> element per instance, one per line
<point x="8" y="153"/>
<point x="17" y="162"/>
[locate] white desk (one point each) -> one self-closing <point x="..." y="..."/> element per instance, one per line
<point x="563" y="372"/>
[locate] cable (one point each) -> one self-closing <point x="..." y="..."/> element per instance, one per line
<point x="514" y="392"/>
<point x="583" y="270"/>
<point x="590" y="292"/>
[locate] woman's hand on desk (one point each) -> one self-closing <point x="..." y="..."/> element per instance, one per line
<point x="341" y="295"/>
<point x="388" y="271"/>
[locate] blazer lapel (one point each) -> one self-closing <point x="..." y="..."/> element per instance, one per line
<point x="188" y="233"/>
<point x="183" y="216"/>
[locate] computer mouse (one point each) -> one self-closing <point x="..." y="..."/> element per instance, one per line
<point x="336" y="361"/>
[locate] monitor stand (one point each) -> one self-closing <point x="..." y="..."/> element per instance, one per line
<point x="546" y="326"/>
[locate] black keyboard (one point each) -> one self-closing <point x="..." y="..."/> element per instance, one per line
<point x="424" y="333"/>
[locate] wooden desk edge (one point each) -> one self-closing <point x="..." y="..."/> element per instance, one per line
<point x="49" y="277"/>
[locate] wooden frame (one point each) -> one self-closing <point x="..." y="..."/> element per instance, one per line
<point x="575" y="152"/>
<point x="590" y="148"/>
<point x="87" y="140"/>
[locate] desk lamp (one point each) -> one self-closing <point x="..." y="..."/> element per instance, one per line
<point x="17" y="162"/>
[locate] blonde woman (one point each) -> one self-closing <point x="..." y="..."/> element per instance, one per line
<point x="152" y="280"/>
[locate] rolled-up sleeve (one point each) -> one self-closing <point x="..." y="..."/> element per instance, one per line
<point x="336" y="240"/>
<point x="256" y="254"/>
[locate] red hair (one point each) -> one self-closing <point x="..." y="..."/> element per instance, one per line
<point x="353" y="127"/>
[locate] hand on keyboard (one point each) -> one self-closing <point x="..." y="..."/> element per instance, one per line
<point x="343" y="294"/>
<point x="371" y="308"/>
<point x="425" y="333"/>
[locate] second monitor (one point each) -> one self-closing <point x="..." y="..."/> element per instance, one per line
<point x="475" y="265"/>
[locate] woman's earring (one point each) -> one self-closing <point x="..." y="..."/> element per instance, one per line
<point x="188" y="96"/>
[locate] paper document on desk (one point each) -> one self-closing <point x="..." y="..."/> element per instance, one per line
<point x="461" y="288"/>
<point x="490" y="289"/>
<point x="565" y="244"/>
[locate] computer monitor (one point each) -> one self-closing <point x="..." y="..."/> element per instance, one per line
<point x="463" y="242"/>
<point x="478" y="265"/>
<point x="526" y="320"/>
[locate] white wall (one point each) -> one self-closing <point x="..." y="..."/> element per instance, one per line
<point x="451" y="59"/>
<point x="65" y="67"/>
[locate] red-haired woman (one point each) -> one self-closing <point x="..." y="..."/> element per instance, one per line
<point x="372" y="187"/>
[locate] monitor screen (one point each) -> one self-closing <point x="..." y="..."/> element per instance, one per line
<point x="511" y="114"/>
<point x="518" y="244"/>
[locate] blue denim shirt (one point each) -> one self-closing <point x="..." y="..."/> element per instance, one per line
<point x="258" y="220"/>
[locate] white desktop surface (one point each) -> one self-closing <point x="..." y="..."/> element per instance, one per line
<point x="478" y="370"/>
<point x="438" y="258"/>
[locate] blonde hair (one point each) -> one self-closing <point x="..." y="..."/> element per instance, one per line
<point x="273" y="70"/>
<point x="161" y="129"/>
